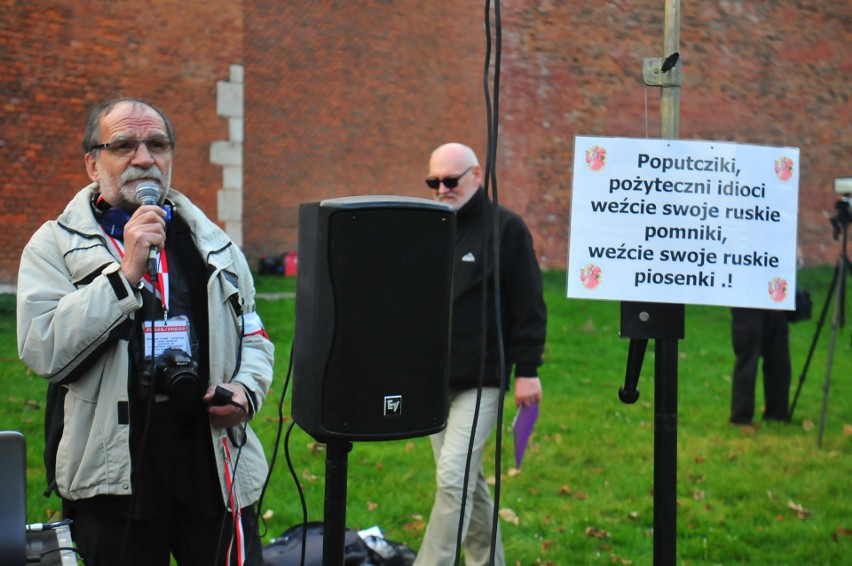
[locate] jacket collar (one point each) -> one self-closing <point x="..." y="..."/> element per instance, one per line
<point x="474" y="206"/>
<point x="209" y="238"/>
<point x="78" y="216"/>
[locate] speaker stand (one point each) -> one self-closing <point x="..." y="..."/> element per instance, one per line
<point x="334" y="519"/>
<point x="663" y="323"/>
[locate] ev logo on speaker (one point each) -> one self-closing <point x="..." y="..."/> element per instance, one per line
<point x="393" y="406"/>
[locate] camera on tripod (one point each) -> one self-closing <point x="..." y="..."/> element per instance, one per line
<point x="175" y="374"/>
<point x="843" y="187"/>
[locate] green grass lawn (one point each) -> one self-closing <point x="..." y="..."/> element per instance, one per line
<point x="584" y="494"/>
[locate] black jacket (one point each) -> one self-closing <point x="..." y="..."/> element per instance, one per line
<point x="523" y="312"/>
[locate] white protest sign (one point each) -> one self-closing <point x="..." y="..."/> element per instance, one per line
<point x="689" y="222"/>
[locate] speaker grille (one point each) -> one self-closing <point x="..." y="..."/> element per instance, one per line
<point x="389" y="273"/>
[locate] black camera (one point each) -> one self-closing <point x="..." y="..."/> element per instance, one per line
<point x="175" y="375"/>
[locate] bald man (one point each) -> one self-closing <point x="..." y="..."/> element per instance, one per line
<point x="455" y="176"/>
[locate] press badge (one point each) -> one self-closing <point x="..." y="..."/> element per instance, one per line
<point x="172" y="333"/>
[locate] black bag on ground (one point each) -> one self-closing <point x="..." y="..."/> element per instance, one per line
<point x="287" y="549"/>
<point x="384" y="552"/>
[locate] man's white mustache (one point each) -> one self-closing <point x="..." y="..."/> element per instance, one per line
<point x="133" y="173"/>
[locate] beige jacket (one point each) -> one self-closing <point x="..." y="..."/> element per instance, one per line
<point x="72" y="296"/>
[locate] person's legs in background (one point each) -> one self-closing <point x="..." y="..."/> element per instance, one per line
<point x="746" y="339"/>
<point x="478" y="541"/>
<point x="451" y="448"/>
<point x="776" y="366"/>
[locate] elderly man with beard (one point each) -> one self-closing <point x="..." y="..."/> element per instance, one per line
<point x="154" y="368"/>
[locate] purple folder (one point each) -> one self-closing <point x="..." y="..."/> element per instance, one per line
<point x="523" y="425"/>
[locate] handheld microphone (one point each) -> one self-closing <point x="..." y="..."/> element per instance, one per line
<point x="148" y="193"/>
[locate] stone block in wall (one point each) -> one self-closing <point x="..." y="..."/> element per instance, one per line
<point x="229" y="99"/>
<point x="230" y="205"/>
<point x="226" y="153"/>
<point x="234" y="230"/>
<point x="232" y="178"/>
<point x="237" y="73"/>
<point x="235" y="129"/>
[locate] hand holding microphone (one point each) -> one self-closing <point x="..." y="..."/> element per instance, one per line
<point x="148" y="193"/>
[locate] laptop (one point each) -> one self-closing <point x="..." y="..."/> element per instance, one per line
<point x="13" y="498"/>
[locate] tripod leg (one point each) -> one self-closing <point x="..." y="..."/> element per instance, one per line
<point x="842" y="272"/>
<point x="836" y="322"/>
<point x="820" y="324"/>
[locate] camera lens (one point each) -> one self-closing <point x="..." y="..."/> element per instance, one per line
<point x="181" y="386"/>
<point x="177" y="376"/>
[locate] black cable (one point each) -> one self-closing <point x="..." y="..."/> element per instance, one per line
<point x="295" y="477"/>
<point x="489" y="180"/>
<point x="474" y="423"/>
<point x="52" y="526"/>
<point x="484" y="293"/>
<point x="492" y="158"/>
<point x="280" y="428"/>
<point x="38" y="559"/>
<point x="287" y="459"/>
<point x="301" y="493"/>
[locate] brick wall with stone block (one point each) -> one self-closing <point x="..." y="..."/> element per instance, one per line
<point x="345" y="98"/>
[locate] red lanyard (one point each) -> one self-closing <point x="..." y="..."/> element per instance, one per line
<point x="161" y="291"/>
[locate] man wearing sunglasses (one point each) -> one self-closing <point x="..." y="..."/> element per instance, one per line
<point x="456" y="179"/>
<point x="139" y="312"/>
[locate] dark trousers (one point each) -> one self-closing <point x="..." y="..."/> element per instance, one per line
<point x="104" y="540"/>
<point x="178" y="508"/>
<point x="756" y="334"/>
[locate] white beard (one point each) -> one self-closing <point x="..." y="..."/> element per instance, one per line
<point x="118" y="188"/>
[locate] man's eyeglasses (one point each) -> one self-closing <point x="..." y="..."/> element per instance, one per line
<point x="126" y="148"/>
<point x="449" y="182"/>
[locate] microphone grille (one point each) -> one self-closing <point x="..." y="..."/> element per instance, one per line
<point x="147" y="193"/>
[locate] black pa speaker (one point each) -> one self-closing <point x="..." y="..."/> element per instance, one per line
<point x="373" y="312"/>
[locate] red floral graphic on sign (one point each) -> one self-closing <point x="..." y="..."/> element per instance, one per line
<point x="778" y="289"/>
<point x="590" y="276"/>
<point x="596" y="157"/>
<point x="784" y="168"/>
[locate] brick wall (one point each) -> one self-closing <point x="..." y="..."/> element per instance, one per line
<point x="61" y="57"/>
<point x="350" y="97"/>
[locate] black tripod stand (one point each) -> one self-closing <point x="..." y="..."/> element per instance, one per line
<point x="663" y="323"/>
<point x="837" y="291"/>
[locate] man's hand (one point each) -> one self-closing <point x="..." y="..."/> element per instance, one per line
<point x="527" y="391"/>
<point x="146" y="228"/>
<point x="232" y="412"/>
